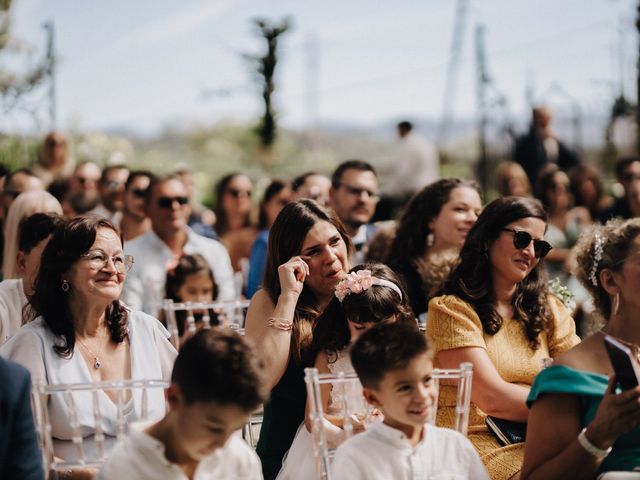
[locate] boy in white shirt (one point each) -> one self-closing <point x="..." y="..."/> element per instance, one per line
<point x="394" y="363"/>
<point x="217" y="381"/>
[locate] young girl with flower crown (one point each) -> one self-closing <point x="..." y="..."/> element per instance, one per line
<point x="369" y="294"/>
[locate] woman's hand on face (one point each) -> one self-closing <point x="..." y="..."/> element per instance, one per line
<point x="292" y="274"/>
<point x="618" y="413"/>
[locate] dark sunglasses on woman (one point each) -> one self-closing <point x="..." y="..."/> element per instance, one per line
<point x="522" y="239"/>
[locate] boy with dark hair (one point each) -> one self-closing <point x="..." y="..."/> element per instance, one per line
<point x="217" y="381"/>
<point x="394" y="363"/>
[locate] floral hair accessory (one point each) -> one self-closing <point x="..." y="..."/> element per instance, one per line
<point x="598" y="247"/>
<point x="358" y="282"/>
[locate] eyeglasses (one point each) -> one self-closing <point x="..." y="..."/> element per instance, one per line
<point x="114" y="185"/>
<point x="522" y="239"/>
<point x="238" y="193"/>
<point x="167" y="202"/>
<point x="99" y="260"/>
<point x="629" y="177"/>
<point x="139" y="192"/>
<point x="359" y="191"/>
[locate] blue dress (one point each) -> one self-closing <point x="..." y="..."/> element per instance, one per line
<point x="589" y="387"/>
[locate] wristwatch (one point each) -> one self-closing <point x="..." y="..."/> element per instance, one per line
<point x="585" y="443"/>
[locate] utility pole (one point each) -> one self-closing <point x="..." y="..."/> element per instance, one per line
<point x="51" y="61"/>
<point x="311" y="89"/>
<point x="482" y="80"/>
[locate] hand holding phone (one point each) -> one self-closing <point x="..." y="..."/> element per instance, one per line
<point x="624" y="362"/>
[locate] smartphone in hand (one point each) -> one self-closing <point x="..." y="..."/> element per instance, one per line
<point x="624" y="362"/>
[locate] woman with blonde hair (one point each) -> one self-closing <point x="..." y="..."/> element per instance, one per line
<point x="25" y="205"/>
<point x="512" y="180"/>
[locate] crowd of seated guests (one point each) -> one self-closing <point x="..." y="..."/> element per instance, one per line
<point x="87" y="266"/>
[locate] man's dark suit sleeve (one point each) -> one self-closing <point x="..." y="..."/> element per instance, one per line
<point x="20" y="455"/>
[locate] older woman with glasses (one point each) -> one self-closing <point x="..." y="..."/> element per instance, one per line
<point x="498" y="314"/>
<point x="82" y="332"/>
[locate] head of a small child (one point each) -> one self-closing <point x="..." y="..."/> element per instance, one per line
<point x="191" y="281"/>
<point x="395" y="364"/>
<point x="216" y="383"/>
<point x="368" y="295"/>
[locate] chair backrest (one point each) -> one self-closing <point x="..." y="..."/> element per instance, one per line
<point x="352" y="408"/>
<point x="233" y="313"/>
<point x="88" y="445"/>
<point x="463" y="377"/>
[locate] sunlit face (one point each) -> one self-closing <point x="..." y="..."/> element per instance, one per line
<point x="197" y="287"/>
<point x="134" y="196"/>
<point x="509" y="264"/>
<point x="325" y="252"/>
<point x="356" y="197"/>
<point x="112" y="189"/>
<point x="202" y="428"/>
<point x="168" y="207"/>
<point x="406" y="396"/>
<point x="86" y="177"/>
<point x="236" y="198"/>
<point x="558" y="194"/>
<point x="104" y="285"/>
<point x="456" y="217"/>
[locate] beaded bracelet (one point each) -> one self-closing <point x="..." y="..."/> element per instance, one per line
<point x="280" y="323"/>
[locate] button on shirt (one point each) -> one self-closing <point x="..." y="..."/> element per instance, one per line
<point x="383" y="453"/>
<point x="141" y="457"/>
<point x="144" y="287"/>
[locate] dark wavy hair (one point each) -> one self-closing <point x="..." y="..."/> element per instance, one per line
<point x="378" y="303"/>
<point x="410" y="242"/>
<point x="472" y="281"/>
<point x="68" y="242"/>
<point x="222" y="222"/>
<point x="286" y="238"/>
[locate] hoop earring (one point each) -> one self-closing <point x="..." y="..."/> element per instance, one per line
<point x="615" y="304"/>
<point x="65" y="286"/>
<point x="430" y="239"/>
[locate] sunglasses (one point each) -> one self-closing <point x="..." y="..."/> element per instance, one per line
<point x="167" y="202"/>
<point x="238" y="193"/>
<point x="522" y="239"/>
<point x="139" y="192"/>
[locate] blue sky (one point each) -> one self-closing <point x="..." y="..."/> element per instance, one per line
<point x="145" y="64"/>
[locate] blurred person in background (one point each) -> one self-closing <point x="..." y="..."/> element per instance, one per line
<point x="429" y="236"/>
<point x="233" y="216"/>
<point x="588" y="190"/>
<point x="202" y="219"/>
<point x="540" y="146"/>
<point x="628" y="205"/>
<point x="111" y="189"/>
<point x="34" y="234"/>
<point x="16" y="182"/>
<point x="354" y="196"/>
<point x="85" y="177"/>
<point x="134" y="221"/>
<point x="158" y="250"/>
<point x="276" y="196"/>
<point x="512" y="180"/>
<point x="53" y="161"/>
<point x="314" y="186"/>
<point x="25" y="205"/>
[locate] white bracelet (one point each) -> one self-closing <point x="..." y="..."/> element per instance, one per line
<point x="585" y="443"/>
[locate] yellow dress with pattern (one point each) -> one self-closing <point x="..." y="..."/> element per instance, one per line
<point x="453" y="323"/>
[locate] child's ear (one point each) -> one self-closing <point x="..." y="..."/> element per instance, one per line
<point x="174" y="396"/>
<point x="371" y="397"/>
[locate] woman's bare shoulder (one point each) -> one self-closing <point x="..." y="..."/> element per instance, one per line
<point x="586" y="355"/>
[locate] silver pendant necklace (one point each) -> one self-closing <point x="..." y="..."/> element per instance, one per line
<point x="96" y="358"/>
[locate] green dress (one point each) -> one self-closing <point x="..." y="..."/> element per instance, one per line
<point x="589" y="387"/>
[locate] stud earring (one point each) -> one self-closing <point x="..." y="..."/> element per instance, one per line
<point x="430" y="239"/>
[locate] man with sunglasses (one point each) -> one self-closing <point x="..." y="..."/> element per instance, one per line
<point x="354" y="196"/>
<point x="628" y="175"/>
<point x="157" y="251"/>
<point x="134" y="221"/>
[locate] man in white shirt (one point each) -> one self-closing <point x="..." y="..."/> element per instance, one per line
<point x="157" y="251"/>
<point x="354" y="196"/>
<point x="35" y="232"/>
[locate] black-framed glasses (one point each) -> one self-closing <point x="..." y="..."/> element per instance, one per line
<point x="167" y="202"/>
<point x="99" y="260"/>
<point x="522" y="239"/>
<point x="351" y="190"/>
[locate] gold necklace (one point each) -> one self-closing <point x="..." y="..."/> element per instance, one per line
<point x="96" y="358"/>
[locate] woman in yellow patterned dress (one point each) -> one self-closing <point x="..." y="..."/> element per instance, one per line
<point x="497" y="313"/>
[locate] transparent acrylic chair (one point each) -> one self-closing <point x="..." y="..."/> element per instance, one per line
<point x="233" y="312"/>
<point x="352" y="408"/>
<point x="93" y="428"/>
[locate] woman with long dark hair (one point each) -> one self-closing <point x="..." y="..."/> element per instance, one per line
<point x="307" y="258"/>
<point x="497" y="313"/>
